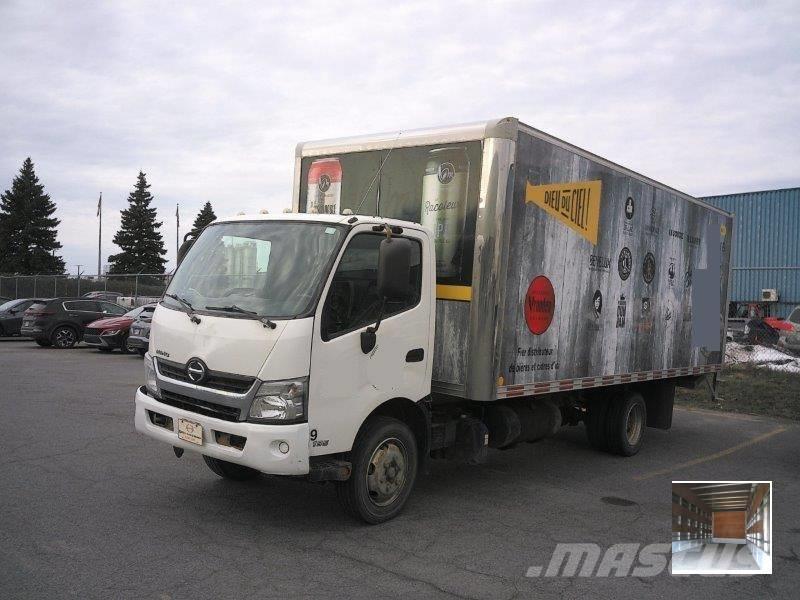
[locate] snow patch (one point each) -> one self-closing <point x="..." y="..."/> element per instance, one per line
<point x="761" y="356"/>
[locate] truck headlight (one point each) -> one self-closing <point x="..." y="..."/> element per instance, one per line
<point x="280" y="401"/>
<point x="150" y="377"/>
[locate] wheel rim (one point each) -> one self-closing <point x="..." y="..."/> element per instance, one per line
<point x="386" y="472"/>
<point x="65" y="337"/>
<point x="634" y="424"/>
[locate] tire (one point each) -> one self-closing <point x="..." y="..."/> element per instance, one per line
<point x="384" y="451"/>
<point x="627" y="420"/>
<point x="229" y="470"/>
<point x="43" y="343"/>
<point x="123" y="346"/>
<point x="64" y="337"/>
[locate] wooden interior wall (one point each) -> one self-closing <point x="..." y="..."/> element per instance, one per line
<point x="729" y="524"/>
<point x="685" y="492"/>
<point x="762" y="489"/>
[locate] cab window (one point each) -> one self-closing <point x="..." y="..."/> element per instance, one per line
<point x="353" y="301"/>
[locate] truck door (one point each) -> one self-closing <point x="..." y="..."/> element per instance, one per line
<point x="347" y="384"/>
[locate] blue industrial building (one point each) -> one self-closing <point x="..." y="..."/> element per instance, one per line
<point x="766" y="246"/>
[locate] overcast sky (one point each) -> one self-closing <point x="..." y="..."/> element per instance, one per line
<point x="210" y="102"/>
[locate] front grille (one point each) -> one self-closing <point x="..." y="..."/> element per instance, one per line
<point x="226" y="382"/>
<point x="92" y="339"/>
<point x="209" y="409"/>
<point x="91" y="331"/>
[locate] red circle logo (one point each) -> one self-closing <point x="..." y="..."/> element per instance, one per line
<point x="540" y="304"/>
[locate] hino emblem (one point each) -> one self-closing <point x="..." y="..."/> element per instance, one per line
<point x="196" y="370"/>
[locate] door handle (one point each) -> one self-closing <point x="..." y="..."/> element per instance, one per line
<point x="415" y="355"/>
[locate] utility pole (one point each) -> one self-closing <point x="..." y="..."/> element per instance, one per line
<point x="79" y="280"/>
<point x="99" y="233"/>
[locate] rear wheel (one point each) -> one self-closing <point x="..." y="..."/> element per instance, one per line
<point x="123" y="346"/>
<point x="229" y="470"/>
<point x="43" y="343"/>
<point x="617" y="424"/>
<point x="384" y="459"/>
<point x="64" y="337"/>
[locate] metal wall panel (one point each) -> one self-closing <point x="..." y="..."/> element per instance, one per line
<point x="766" y="252"/>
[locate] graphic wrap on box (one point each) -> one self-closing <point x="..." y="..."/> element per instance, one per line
<point x="576" y="205"/>
<point x="324" y="186"/>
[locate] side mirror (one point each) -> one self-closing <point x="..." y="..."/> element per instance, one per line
<point x="187" y="243"/>
<point x="394" y="268"/>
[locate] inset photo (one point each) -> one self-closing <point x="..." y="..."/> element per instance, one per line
<point x="721" y="527"/>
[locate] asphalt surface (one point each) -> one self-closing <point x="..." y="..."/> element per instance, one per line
<point x="90" y="509"/>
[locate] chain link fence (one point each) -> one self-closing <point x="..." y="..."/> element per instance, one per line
<point x="129" y="289"/>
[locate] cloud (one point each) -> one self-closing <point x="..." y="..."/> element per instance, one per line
<point x="210" y="101"/>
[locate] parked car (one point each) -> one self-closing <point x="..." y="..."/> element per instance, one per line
<point x="11" y="315"/>
<point x="112" y="332"/>
<point x="139" y="335"/>
<point x="789" y="331"/>
<point x="60" y="322"/>
<point x="104" y="295"/>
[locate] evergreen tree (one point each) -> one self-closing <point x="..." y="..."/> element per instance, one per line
<point x="204" y="217"/>
<point x="139" y="237"/>
<point x="27" y="227"/>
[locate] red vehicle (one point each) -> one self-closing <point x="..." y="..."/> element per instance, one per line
<point x="110" y="333"/>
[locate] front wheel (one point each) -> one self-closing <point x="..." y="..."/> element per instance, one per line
<point x="64" y="337"/>
<point x="384" y="459"/>
<point x="229" y="470"/>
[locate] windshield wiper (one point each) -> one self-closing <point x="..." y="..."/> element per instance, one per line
<point x="265" y="321"/>
<point x="192" y="317"/>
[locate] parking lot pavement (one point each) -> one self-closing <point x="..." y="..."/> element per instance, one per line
<point x="89" y="508"/>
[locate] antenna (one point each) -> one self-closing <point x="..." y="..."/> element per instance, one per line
<point x="378" y="172"/>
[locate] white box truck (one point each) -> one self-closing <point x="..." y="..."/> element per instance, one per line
<point x="435" y="293"/>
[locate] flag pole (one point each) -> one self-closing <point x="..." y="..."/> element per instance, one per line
<point x="99" y="233"/>
<point x="177" y="232"/>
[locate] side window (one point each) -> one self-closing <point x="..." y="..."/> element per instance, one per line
<point x="112" y="309"/>
<point x="795" y="316"/>
<point x="81" y="305"/>
<point x="353" y="300"/>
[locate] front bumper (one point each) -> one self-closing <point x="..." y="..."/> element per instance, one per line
<point x="103" y="341"/>
<point x="261" y="450"/>
<point x="134" y="341"/>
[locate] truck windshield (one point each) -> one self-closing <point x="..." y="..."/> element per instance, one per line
<point x="255" y="268"/>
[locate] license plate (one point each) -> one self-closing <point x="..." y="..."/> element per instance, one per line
<point x="190" y="431"/>
<point x="27" y="322"/>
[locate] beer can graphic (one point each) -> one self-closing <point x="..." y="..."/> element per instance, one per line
<point x="444" y="205"/>
<point x="324" y="186"/>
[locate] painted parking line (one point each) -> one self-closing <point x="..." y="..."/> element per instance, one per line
<point x="723" y="415"/>
<point x="751" y="442"/>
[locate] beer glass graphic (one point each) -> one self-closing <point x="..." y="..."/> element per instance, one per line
<point x="444" y="204"/>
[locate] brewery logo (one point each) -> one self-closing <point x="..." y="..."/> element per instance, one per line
<point x="676" y="234"/>
<point x="671" y="272"/>
<point x="446" y="172"/>
<point x="687" y="282"/>
<point x="599" y="263"/>
<point x="597" y="304"/>
<point x="723" y="230"/>
<point x="693" y="240"/>
<point x="629" y="208"/>
<point x="324" y="182"/>
<point x="622" y="308"/>
<point x="645" y="308"/>
<point x="668" y="314"/>
<point x="575" y="204"/>
<point x="540" y="304"/>
<point x="624" y="264"/>
<point x="649" y="268"/>
<point x="652" y="228"/>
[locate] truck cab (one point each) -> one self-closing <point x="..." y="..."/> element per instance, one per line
<point x="299" y="345"/>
